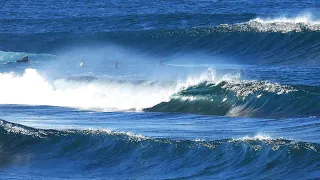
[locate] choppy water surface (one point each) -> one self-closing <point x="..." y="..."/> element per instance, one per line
<point x="160" y="90"/>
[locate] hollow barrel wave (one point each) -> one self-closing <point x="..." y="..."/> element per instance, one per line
<point x="160" y="89"/>
<point x="250" y="99"/>
<point x="202" y="96"/>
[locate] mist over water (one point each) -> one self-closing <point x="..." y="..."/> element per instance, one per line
<point x="160" y="90"/>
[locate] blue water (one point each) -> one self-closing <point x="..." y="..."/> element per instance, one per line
<point x="160" y="90"/>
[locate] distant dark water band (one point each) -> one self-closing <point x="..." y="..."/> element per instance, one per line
<point x="94" y="150"/>
<point x="124" y="22"/>
<point x="245" y="98"/>
<point x="246" y="44"/>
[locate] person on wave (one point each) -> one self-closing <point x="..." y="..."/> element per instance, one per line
<point x="161" y="63"/>
<point x="116" y="65"/>
<point x="81" y="63"/>
<point x="23" y="60"/>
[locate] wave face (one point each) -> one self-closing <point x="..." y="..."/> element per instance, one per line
<point x="249" y="43"/>
<point x="250" y="39"/>
<point x="218" y="89"/>
<point x="245" y="98"/>
<point x="206" y="94"/>
<point x="11" y="57"/>
<point x="121" y="154"/>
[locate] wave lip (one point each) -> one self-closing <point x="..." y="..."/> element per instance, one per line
<point x="282" y="24"/>
<point x="306" y="19"/>
<point x="244" y="99"/>
<point x="205" y="94"/>
<point x="257" y="26"/>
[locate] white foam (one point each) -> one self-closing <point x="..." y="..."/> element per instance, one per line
<point x="245" y="88"/>
<point x="260" y="137"/>
<point x="132" y="136"/>
<point x="285" y="24"/>
<point x="208" y="76"/>
<point x="257" y="137"/>
<point x="20" y="130"/>
<point x="280" y="24"/>
<point x="305" y="19"/>
<point x="33" y="89"/>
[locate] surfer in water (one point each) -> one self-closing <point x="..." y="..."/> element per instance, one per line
<point x="161" y="63"/>
<point x="81" y="63"/>
<point x="241" y="72"/>
<point x="23" y="60"/>
<point x="116" y="64"/>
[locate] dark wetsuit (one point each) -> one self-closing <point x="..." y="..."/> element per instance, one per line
<point x="23" y="60"/>
<point x="161" y="63"/>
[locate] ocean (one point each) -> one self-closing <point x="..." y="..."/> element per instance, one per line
<point x="181" y="89"/>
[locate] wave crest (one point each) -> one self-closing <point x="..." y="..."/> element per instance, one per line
<point x="244" y="98"/>
<point x="206" y="93"/>
<point x="282" y="24"/>
<point x="97" y="150"/>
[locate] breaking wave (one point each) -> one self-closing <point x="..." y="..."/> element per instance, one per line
<point x="205" y="94"/>
<point x="31" y="88"/>
<point x="281" y="40"/>
<point x="245" y="98"/>
<point x="281" y="24"/>
<point x="122" y="154"/>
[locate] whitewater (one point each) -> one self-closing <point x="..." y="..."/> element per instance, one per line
<point x="160" y="90"/>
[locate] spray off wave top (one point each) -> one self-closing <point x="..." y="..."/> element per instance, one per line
<point x="205" y="94"/>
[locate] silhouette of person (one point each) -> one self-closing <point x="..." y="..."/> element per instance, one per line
<point x="116" y="65"/>
<point x="161" y="63"/>
<point x="23" y="60"/>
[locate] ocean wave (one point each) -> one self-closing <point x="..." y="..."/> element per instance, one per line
<point x="90" y="92"/>
<point x="244" y="98"/>
<point x="205" y="93"/>
<point x="31" y="88"/>
<point x="281" y="40"/>
<point x="280" y="24"/>
<point x="9" y="57"/>
<point x="114" y="151"/>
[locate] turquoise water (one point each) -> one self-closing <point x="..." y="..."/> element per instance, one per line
<point x="160" y="90"/>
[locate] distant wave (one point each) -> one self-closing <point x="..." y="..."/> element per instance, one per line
<point x="253" y="42"/>
<point x="278" y="40"/>
<point x="281" y="24"/>
<point x="143" y="156"/>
